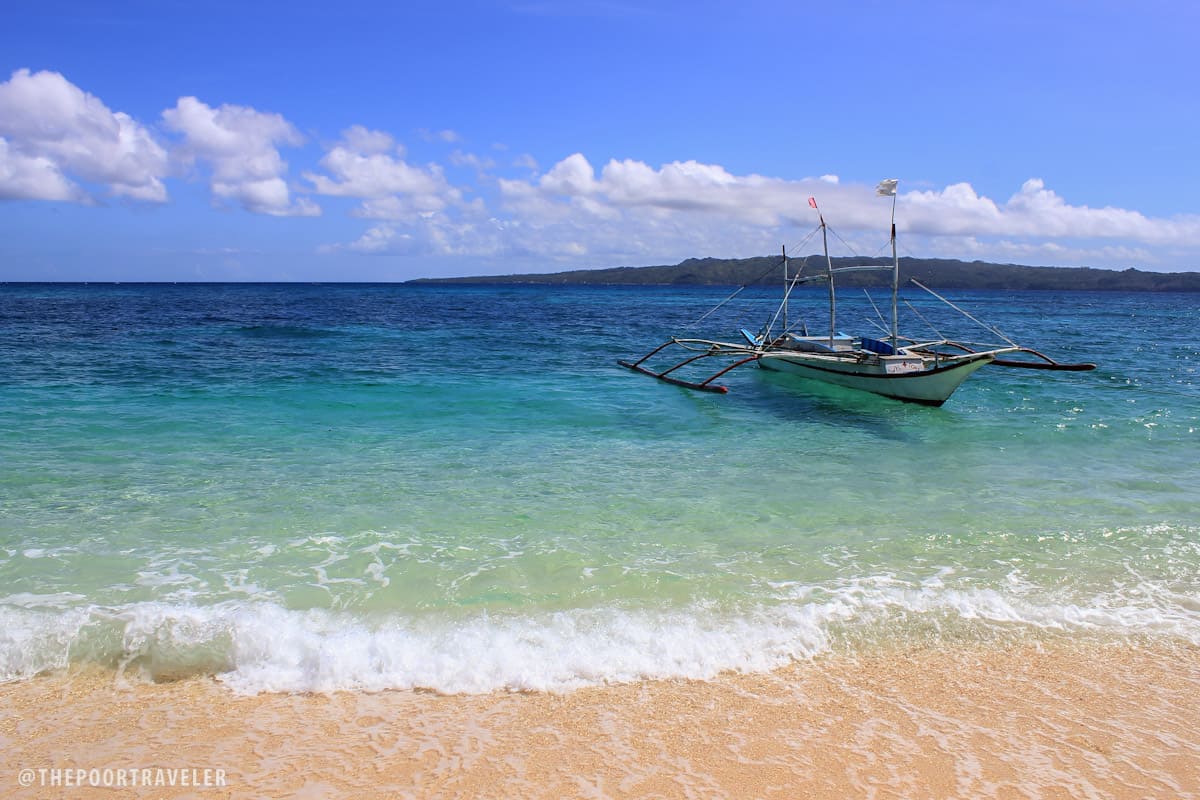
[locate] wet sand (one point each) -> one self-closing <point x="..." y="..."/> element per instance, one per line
<point x="1062" y="719"/>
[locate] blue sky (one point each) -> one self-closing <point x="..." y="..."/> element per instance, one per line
<point x="387" y="141"/>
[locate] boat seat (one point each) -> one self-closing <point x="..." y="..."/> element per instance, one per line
<point x="876" y="346"/>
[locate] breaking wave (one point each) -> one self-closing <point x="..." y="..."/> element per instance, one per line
<point x="256" y="646"/>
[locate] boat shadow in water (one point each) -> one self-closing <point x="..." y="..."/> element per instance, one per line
<point x="807" y="402"/>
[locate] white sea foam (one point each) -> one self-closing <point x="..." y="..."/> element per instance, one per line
<point x="261" y="646"/>
<point x="34" y="638"/>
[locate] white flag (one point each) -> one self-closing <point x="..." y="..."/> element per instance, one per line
<point x="886" y="188"/>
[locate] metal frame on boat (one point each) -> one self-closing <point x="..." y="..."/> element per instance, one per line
<point x="925" y="372"/>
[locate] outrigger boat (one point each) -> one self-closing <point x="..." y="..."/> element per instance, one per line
<point x="925" y="372"/>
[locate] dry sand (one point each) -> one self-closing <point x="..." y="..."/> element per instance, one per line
<point x="1065" y="719"/>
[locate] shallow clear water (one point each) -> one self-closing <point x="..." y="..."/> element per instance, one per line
<point x="458" y="488"/>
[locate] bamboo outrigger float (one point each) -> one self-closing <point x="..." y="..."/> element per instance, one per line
<point x="925" y="372"/>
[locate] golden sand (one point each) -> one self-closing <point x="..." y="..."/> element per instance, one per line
<point x="1069" y="720"/>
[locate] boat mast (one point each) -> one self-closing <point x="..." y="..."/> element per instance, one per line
<point x="895" y="278"/>
<point x="786" y="288"/>
<point x="888" y="187"/>
<point x="829" y="269"/>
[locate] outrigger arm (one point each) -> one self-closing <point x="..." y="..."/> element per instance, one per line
<point x="1046" y="362"/>
<point x="714" y="350"/>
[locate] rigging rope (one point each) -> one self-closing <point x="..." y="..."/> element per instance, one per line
<point x="848" y="246"/>
<point x="736" y="292"/>
<point x="774" y="266"/>
<point x="984" y="325"/>
<point x="921" y="316"/>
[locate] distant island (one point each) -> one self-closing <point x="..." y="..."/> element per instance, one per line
<point x="933" y="272"/>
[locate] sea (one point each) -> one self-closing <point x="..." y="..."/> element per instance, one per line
<point x="456" y="488"/>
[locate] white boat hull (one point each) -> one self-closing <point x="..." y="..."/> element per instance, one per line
<point x="905" y="377"/>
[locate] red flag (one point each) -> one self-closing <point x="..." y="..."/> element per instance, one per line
<point x="812" y="201"/>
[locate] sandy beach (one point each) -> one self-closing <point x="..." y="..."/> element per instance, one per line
<point x="1059" y="719"/>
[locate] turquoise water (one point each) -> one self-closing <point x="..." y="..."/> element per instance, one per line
<point x="315" y="487"/>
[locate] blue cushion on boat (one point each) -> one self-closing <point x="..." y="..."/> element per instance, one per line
<point x="876" y="346"/>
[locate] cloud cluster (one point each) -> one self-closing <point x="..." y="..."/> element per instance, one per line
<point x="1032" y="211"/>
<point x="732" y="213"/>
<point x="687" y="186"/>
<point x="240" y="146"/>
<point x="369" y="165"/>
<point x="58" y="142"/>
<point x="55" y="138"/>
<point x="53" y="135"/>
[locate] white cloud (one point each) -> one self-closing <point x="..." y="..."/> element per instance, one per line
<point x="376" y="175"/>
<point x="1040" y="252"/>
<point x="1036" y="212"/>
<point x="431" y="235"/>
<point x="633" y="211"/>
<point x="24" y="177"/>
<point x="636" y="211"/>
<point x="369" y="142"/>
<point x="359" y="166"/>
<point x="266" y="196"/>
<point x="383" y="239"/>
<point x="53" y="132"/>
<point x="240" y="146"/>
<point x="681" y="187"/>
<point x="573" y="176"/>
